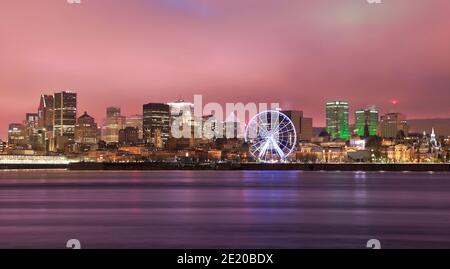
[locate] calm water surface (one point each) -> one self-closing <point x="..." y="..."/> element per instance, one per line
<point x="226" y="209"/>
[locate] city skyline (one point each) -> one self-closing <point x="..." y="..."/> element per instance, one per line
<point x="317" y="51"/>
<point x="351" y="121"/>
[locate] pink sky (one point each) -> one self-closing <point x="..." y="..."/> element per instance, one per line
<point x="300" y="53"/>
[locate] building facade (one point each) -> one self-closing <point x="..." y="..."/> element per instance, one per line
<point x="86" y="130"/>
<point x="337" y="121"/>
<point x="65" y="118"/>
<point x="366" y="122"/>
<point x="392" y="125"/>
<point x="136" y="121"/>
<point x="113" y="123"/>
<point x="156" y="124"/>
<point x="129" y="136"/>
<point x="17" y="136"/>
<point x="303" y="126"/>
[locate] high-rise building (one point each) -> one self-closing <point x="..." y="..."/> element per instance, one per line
<point x="129" y="136"/>
<point x="35" y="136"/>
<point x="86" y="130"/>
<point x="306" y="129"/>
<point x="182" y="109"/>
<point x="113" y="123"/>
<point x="46" y="112"/>
<point x="392" y="125"/>
<point x="183" y="112"/>
<point x="136" y="121"/>
<point x="303" y="126"/>
<point x="156" y="124"/>
<point x="337" y="120"/>
<point x="366" y="122"/>
<point x="65" y="118"/>
<point x="17" y="136"/>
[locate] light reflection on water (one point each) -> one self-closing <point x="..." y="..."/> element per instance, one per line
<point x="224" y="209"/>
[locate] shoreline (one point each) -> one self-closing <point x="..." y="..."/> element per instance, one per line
<point x="232" y="167"/>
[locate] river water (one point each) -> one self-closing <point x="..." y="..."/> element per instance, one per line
<point x="224" y="209"/>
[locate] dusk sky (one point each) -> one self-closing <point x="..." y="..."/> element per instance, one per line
<point x="300" y="53"/>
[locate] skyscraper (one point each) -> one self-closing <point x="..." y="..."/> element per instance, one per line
<point x="183" y="112"/>
<point x="86" y="130"/>
<point x="136" y="121"/>
<point x="46" y="112"/>
<point x="113" y="123"/>
<point x="393" y="125"/>
<point x="366" y="122"/>
<point x="16" y="136"/>
<point x="156" y="124"/>
<point x="35" y="136"/>
<point x="337" y="120"/>
<point x="65" y="118"/>
<point x="303" y="126"/>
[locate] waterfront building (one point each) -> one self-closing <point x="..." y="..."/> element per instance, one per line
<point x="429" y="149"/>
<point x="393" y="125"/>
<point x="65" y="118"/>
<point x="156" y="124"/>
<point x="397" y="153"/>
<point x="36" y="159"/>
<point x="86" y="130"/>
<point x="366" y="122"/>
<point x="113" y="123"/>
<point x="337" y="120"/>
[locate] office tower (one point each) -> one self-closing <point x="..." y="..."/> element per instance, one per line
<point x="46" y="112"/>
<point x="306" y="129"/>
<point x="183" y="109"/>
<point x="34" y="135"/>
<point x="393" y="125"/>
<point x="31" y="125"/>
<point x="183" y="112"/>
<point x="32" y="118"/>
<point x="17" y="136"/>
<point x="156" y="124"/>
<point x="86" y="130"/>
<point x="129" y="136"/>
<point x="113" y="123"/>
<point x="45" y="120"/>
<point x="296" y="117"/>
<point x="366" y="122"/>
<point x="65" y="118"/>
<point x="337" y="120"/>
<point x="302" y="125"/>
<point x="136" y="121"/>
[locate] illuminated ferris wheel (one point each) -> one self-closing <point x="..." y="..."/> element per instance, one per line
<point x="271" y="136"/>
